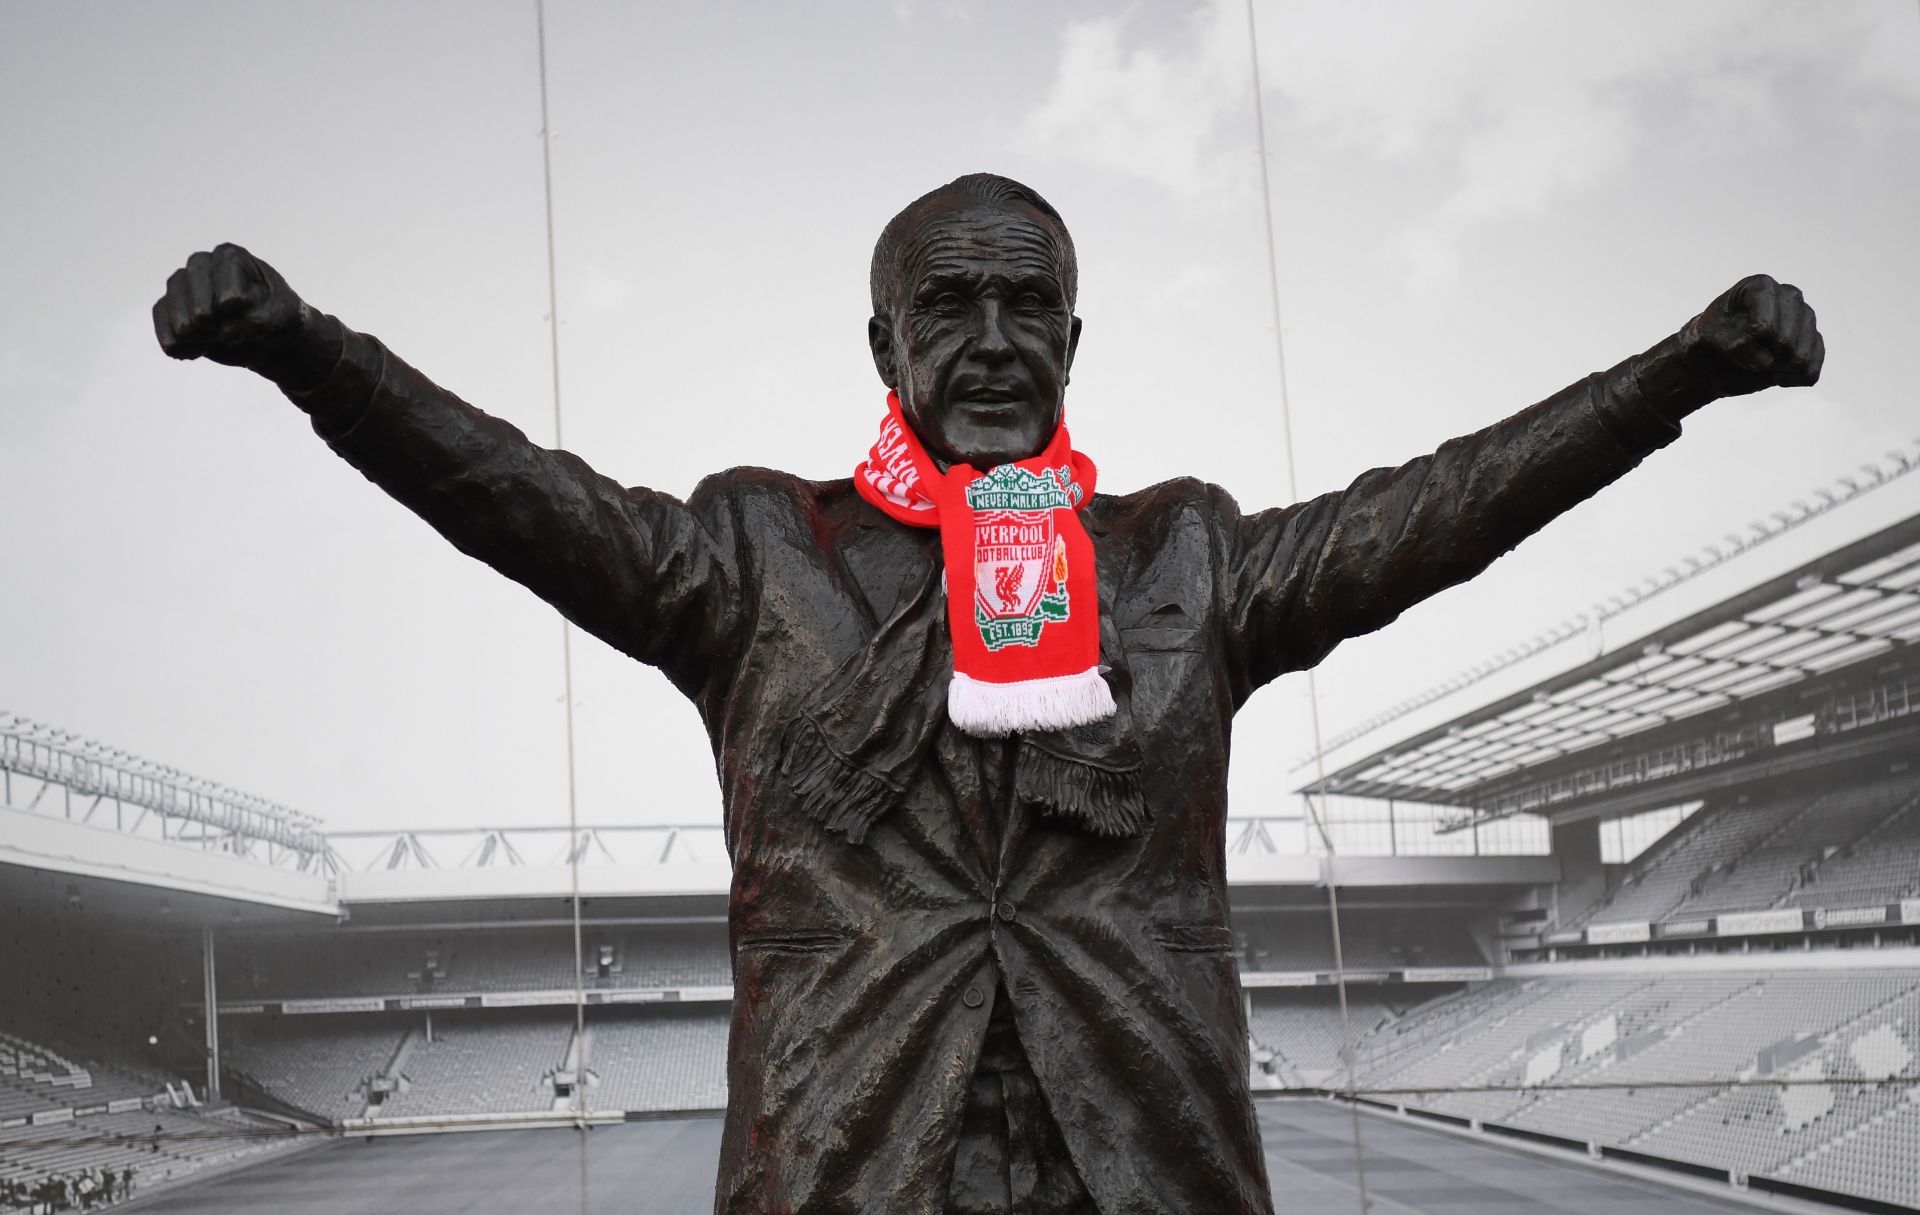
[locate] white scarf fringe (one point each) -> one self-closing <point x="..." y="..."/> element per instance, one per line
<point x="1060" y="702"/>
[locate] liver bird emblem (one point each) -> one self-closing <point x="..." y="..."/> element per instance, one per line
<point x="1006" y="585"/>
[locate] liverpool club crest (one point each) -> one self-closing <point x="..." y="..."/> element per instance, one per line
<point x="1019" y="562"/>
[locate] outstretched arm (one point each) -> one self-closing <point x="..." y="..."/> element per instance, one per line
<point x="1303" y="578"/>
<point x="649" y="575"/>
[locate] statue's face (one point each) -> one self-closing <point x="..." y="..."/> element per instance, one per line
<point x="980" y="345"/>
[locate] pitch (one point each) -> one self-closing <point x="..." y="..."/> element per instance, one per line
<point x="667" y="1168"/>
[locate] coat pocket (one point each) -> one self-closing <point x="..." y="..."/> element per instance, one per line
<point x="793" y="942"/>
<point x="1162" y="639"/>
<point x="1193" y="938"/>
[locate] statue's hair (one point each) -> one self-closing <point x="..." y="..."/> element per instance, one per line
<point x="980" y="189"/>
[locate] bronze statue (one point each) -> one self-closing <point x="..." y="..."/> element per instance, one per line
<point x="1005" y="984"/>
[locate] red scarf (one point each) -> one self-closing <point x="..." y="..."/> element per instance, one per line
<point x="1023" y="606"/>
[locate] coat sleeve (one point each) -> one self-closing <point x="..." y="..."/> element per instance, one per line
<point x="1297" y="581"/>
<point x="654" y="577"/>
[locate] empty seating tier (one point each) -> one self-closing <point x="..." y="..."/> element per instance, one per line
<point x="1807" y="1075"/>
<point x="1852" y="847"/>
<point x="658" y="1059"/>
<point x="483" y="1064"/>
<point x="1880" y="867"/>
<point x="150" y="1146"/>
<point x="475" y="962"/>
<point x="1709" y="840"/>
<point x="320" y="1065"/>
<point x="1369" y="940"/>
<point x="1766" y="874"/>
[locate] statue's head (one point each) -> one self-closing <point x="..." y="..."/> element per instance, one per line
<point x="973" y="290"/>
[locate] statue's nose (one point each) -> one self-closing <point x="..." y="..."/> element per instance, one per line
<point x="990" y="342"/>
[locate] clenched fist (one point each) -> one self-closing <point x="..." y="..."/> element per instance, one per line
<point x="1760" y="334"/>
<point x="233" y="308"/>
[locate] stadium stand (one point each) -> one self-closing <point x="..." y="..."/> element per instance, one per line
<point x="694" y="956"/>
<point x="1841" y="848"/>
<point x="319" y="966"/>
<point x="1708" y="841"/>
<point x="1370" y="940"/>
<point x="537" y="960"/>
<point x="1668" y="1053"/>
<point x="1879" y="867"/>
<point x="658" y="1059"/>
<point x="40" y="1075"/>
<point x="319" y="1065"/>
<point x="481" y="1064"/>
<point x="1874" y="1159"/>
<point x="1484" y="1048"/>
<point x="1767" y="872"/>
<point x="16" y="1103"/>
<point x="27" y="1064"/>
<point x="150" y="1145"/>
<point x="1765" y="1129"/>
<point x="1717" y="1045"/>
<point x="1303" y="1029"/>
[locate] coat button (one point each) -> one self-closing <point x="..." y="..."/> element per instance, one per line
<point x="974" y="997"/>
<point x="1005" y="911"/>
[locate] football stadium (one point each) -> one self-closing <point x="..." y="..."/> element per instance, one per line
<point x="1644" y="934"/>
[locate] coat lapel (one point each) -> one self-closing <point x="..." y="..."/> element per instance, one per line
<point x="886" y="562"/>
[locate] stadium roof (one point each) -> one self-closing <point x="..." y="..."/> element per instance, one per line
<point x="1848" y="607"/>
<point x="47" y="758"/>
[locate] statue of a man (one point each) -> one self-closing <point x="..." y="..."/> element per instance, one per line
<point x="971" y="718"/>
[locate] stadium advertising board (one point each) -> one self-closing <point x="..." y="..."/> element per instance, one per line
<point x="1747" y="923"/>
<point x="342" y="1004"/>
<point x="525" y="999"/>
<point x="1573" y="937"/>
<point x="124" y="1105"/>
<point x="1416" y="974"/>
<point x="1685" y="928"/>
<point x="1910" y="911"/>
<point x="514" y="999"/>
<point x="1447" y="974"/>
<point x="1627" y="932"/>
<point x="1849" y="917"/>
<point x="46" y="1117"/>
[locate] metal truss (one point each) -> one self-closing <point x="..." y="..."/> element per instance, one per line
<point x="1864" y="480"/>
<point x="44" y="770"/>
<point x="531" y="847"/>
<point x="1823" y="650"/>
<point x="617" y="845"/>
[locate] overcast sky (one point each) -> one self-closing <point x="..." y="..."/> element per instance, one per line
<point x="1476" y="203"/>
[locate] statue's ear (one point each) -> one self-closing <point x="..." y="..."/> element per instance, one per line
<point x="880" y="341"/>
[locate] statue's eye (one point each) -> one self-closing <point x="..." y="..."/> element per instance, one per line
<point x="1030" y="301"/>
<point x="947" y="303"/>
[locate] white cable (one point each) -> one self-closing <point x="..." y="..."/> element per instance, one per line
<point x="566" y="629"/>
<point x="1313" y="692"/>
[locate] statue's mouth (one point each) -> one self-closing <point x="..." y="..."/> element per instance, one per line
<point x="986" y="396"/>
